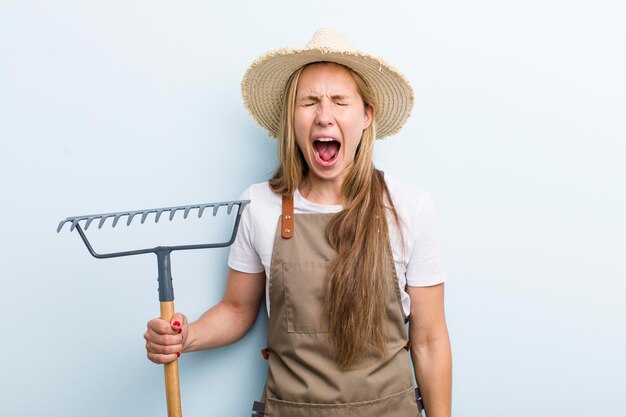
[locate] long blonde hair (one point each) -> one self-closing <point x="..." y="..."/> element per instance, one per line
<point x="355" y="301"/>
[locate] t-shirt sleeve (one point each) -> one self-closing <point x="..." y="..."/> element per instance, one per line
<point x="425" y="266"/>
<point x="243" y="255"/>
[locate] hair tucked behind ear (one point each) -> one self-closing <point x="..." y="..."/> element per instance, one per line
<point x="356" y="285"/>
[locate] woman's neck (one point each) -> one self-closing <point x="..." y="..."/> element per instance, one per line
<point x="320" y="191"/>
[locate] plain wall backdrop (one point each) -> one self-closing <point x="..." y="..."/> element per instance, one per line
<point x="518" y="130"/>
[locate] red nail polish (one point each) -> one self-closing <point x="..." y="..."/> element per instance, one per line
<point x="180" y="330"/>
<point x="178" y="355"/>
<point x="176" y="323"/>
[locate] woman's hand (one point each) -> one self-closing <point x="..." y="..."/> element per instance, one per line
<point x="165" y="341"/>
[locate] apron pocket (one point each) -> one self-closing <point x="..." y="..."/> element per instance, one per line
<point x="305" y="289"/>
<point x="401" y="404"/>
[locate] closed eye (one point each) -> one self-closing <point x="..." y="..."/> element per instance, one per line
<point x="340" y="100"/>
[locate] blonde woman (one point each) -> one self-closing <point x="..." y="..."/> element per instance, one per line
<point x="344" y="255"/>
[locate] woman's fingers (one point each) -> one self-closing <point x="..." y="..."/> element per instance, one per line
<point x="178" y="321"/>
<point x="159" y="341"/>
<point x="171" y="349"/>
<point x="160" y="326"/>
<point x="162" y="359"/>
<point x="164" y="341"/>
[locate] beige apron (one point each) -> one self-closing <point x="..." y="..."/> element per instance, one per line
<point x="303" y="379"/>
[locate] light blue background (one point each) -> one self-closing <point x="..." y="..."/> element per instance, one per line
<point x="518" y="130"/>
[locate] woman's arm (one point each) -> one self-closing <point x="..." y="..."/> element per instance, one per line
<point x="223" y="324"/>
<point x="430" y="349"/>
<point x="231" y="319"/>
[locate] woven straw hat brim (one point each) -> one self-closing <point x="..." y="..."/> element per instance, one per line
<point x="265" y="80"/>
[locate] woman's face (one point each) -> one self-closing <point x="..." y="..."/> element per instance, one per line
<point x="329" y="119"/>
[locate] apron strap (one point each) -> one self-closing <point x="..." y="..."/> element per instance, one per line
<point x="287" y="221"/>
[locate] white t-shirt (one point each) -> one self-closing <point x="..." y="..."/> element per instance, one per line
<point x="419" y="262"/>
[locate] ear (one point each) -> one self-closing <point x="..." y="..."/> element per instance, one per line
<point x="369" y="114"/>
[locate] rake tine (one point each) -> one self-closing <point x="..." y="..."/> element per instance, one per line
<point x="130" y="217"/>
<point x="102" y="220"/>
<point x="75" y="222"/>
<point x="145" y="215"/>
<point x="60" y="226"/>
<point x="158" y="215"/>
<point x="89" y="220"/>
<point x="187" y="210"/>
<point x="201" y="209"/>
<point x="116" y="219"/>
<point x="215" y="208"/>
<point x="173" y="212"/>
<point x="230" y="208"/>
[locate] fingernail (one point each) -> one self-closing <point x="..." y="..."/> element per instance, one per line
<point x="180" y="330"/>
<point x="176" y="323"/>
<point x="178" y="355"/>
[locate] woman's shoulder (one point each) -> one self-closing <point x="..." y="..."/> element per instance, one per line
<point x="260" y="191"/>
<point x="415" y="206"/>
<point x="407" y="197"/>
<point x="262" y="198"/>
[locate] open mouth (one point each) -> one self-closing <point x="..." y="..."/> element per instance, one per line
<point x="326" y="151"/>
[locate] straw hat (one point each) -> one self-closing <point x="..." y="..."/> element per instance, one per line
<point x="264" y="82"/>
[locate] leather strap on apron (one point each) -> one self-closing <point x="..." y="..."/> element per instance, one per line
<point x="303" y="379"/>
<point x="287" y="220"/>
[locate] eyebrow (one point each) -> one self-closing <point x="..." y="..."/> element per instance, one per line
<point x="317" y="98"/>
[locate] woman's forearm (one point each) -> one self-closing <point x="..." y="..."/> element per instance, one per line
<point x="230" y="320"/>
<point x="432" y="361"/>
<point x="220" y="326"/>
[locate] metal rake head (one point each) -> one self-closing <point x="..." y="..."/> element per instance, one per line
<point x="76" y="221"/>
<point x="158" y="212"/>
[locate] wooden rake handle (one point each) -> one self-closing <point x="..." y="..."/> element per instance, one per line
<point x="172" y="384"/>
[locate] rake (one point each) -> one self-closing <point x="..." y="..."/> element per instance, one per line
<point x="166" y="289"/>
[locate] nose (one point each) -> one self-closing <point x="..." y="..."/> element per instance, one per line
<point x="324" y="116"/>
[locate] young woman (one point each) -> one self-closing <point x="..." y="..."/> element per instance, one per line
<point x="344" y="255"/>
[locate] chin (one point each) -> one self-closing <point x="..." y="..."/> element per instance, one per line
<point x="327" y="175"/>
